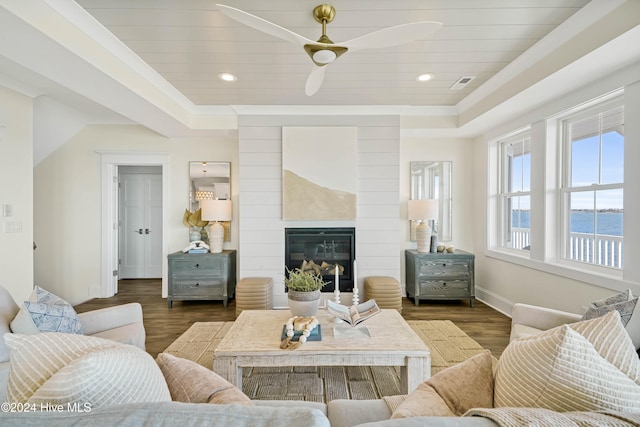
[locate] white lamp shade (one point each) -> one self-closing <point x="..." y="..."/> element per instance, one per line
<point x="423" y="209"/>
<point x="216" y="210"/>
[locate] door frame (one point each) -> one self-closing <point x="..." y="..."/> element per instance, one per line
<point x="110" y="161"/>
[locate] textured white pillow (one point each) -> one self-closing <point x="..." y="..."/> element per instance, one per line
<point x="612" y="342"/>
<point x="61" y="368"/>
<point x="560" y="370"/>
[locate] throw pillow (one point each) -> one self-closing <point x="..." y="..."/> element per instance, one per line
<point x="613" y="299"/>
<point x="629" y="309"/>
<point x="612" y="342"/>
<point x="193" y="383"/>
<point x="561" y="371"/>
<point x="625" y="308"/>
<point x="452" y="391"/>
<point x="46" y="312"/>
<point x="56" y="368"/>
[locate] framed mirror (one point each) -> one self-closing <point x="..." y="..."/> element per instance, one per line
<point x="210" y="180"/>
<point x="432" y="180"/>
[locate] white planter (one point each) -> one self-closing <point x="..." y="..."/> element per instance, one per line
<point x="304" y="303"/>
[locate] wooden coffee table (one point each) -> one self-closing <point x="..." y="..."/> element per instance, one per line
<point x="254" y="340"/>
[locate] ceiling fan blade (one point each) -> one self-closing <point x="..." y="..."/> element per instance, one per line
<point x="314" y="81"/>
<point x="263" y="25"/>
<point x="393" y="36"/>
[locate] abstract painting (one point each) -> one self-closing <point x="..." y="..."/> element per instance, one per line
<point x="319" y="173"/>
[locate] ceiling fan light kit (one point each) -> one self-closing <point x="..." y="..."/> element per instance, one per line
<point x="324" y="56"/>
<point x="325" y="51"/>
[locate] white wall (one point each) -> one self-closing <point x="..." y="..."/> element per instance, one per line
<point x="16" y="189"/>
<point x="261" y="225"/>
<point x="460" y="152"/>
<point x="54" y="124"/>
<point x="67" y="201"/>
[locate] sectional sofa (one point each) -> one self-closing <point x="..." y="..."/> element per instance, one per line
<point x="104" y="382"/>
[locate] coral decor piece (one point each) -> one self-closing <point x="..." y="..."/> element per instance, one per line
<point x="193" y="219"/>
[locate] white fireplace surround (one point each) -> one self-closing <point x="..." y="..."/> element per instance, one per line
<point x="261" y="228"/>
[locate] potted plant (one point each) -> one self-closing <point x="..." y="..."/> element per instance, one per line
<point x="304" y="291"/>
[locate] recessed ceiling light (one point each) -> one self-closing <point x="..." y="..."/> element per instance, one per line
<point x="227" y="77"/>
<point x="425" y="77"/>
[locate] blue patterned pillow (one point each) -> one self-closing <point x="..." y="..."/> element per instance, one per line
<point x="627" y="305"/>
<point x="50" y="313"/>
<point x="626" y="309"/>
<point x="613" y="299"/>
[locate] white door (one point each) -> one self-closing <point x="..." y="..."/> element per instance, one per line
<point x="140" y="226"/>
<point x="153" y="230"/>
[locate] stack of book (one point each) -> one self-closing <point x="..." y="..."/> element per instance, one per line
<point x="196" y="247"/>
<point x="199" y="250"/>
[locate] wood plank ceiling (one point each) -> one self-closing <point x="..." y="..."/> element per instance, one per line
<point x="189" y="42"/>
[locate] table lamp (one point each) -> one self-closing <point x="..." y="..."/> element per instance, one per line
<point x="216" y="211"/>
<point x="423" y="210"/>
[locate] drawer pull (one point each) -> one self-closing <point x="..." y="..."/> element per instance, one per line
<point x="197" y="265"/>
<point x="197" y="284"/>
<point x="444" y="265"/>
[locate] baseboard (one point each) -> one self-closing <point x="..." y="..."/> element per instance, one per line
<point x="494" y="301"/>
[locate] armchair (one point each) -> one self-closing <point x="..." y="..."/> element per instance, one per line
<point x="527" y="320"/>
<point x="121" y="323"/>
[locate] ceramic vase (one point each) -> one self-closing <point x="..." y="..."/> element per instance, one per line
<point x="304" y="303"/>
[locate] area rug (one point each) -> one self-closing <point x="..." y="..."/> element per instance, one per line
<point x="448" y="345"/>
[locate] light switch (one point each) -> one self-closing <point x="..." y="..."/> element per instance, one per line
<point x="7" y="210"/>
<point x="14" y="226"/>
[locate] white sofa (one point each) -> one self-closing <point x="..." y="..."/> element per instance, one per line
<point x="528" y="320"/>
<point x="337" y="413"/>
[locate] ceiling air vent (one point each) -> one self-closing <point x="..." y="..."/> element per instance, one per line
<point x="462" y="82"/>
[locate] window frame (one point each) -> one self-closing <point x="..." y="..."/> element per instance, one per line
<point x="506" y="192"/>
<point x="566" y="189"/>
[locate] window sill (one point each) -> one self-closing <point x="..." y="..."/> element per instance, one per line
<point x="609" y="281"/>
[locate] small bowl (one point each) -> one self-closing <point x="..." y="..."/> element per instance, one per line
<point x="451" y="249"/>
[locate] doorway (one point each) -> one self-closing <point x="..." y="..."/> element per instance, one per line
<point x="111" y="161"/>
<point x="140" y="222"/>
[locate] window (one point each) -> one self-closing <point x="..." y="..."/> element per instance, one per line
<point x="515" y="191"/>
<point x="592" y="190"/>
<point x="556" y="192"/>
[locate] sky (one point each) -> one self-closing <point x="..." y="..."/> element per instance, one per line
<point x="585" y="172"/>
<point x="584" y="164"/>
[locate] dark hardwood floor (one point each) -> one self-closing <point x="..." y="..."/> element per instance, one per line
<point x="163" y="325"/>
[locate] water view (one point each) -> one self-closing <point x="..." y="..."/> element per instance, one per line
<point x="609" y="222"/>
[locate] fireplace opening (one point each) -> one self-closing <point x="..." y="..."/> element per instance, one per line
<point x="320" y="250"/>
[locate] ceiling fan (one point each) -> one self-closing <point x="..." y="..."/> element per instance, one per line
<point x="324" y="51"/>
